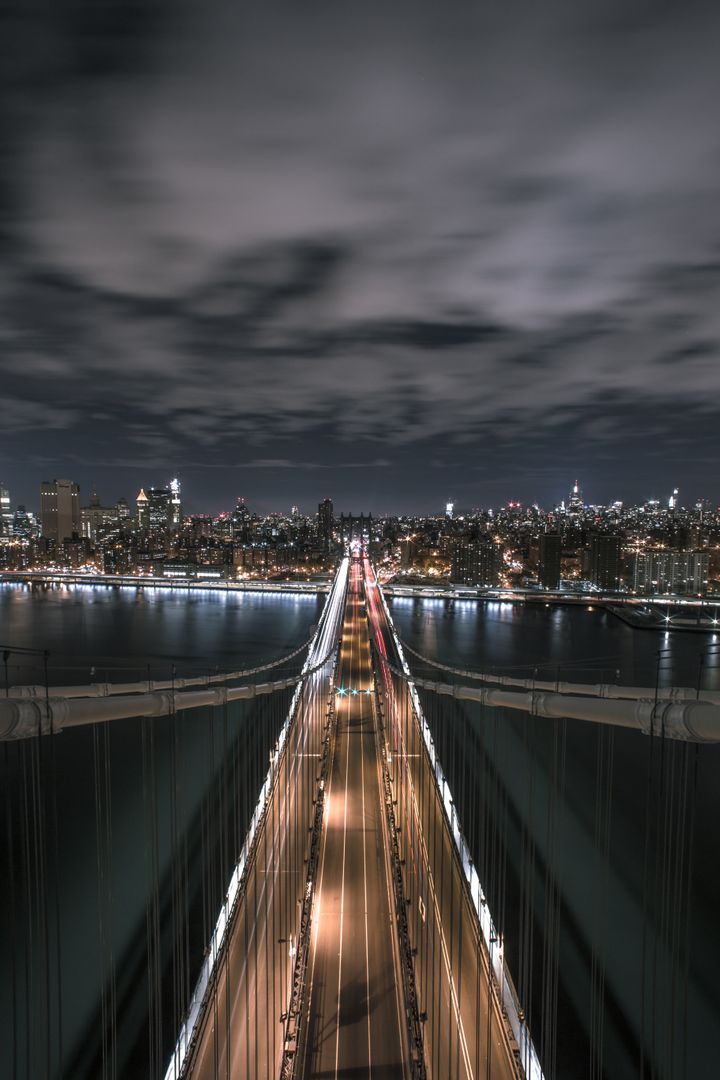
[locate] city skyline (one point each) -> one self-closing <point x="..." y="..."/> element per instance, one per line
<point x="399" y="253"/>
<point x="195" y="500"/>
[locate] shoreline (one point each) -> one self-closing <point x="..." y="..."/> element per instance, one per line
<point x="43" y="577"/>
<point x="641" y="613"/>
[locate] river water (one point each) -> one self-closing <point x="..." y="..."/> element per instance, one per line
<point x="96" y="632"/>
<point x="597" y="847"/>
<point x="121" y="834"/>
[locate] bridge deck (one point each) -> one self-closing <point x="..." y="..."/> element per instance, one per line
<point x="356" y="1025"/>
<point x="465" y="1035"/>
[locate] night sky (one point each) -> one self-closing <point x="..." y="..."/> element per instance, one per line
<point x="395" y="253"/>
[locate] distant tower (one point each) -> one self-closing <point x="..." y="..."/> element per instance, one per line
<point x="549" y="563"/>
<point x="60" y="509"/>
<point x="175" y="504"/>
<point x="143" y="510"/>
<point x="160" y="509"/>
<point x="673" y="500"/>
<point x="6" y="517"/>
<point x="326" y="521"/>
<point x="449" y="510"/>
<point x="605" y="561"/>
<point x="575" y="499"/>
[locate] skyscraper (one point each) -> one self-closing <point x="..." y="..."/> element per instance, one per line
<point x="575" y="499"/>
<point x="6" y="517"/>
<point x="605" y="561"/>
<point x="23" y="524"/>
<point x="175" y="504"/>
<point x="160" y="508"/>
<point x="326" y="521"/>
<point x="549" y="566"/>
<point x="142" y="510"/>
<point x="60" y="509"/>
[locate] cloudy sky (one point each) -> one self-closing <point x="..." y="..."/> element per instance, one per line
<point x="391" y="252"/>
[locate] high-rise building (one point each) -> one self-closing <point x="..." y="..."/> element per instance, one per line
<point x="175" y="505"/>
<point x="6" y="517"/>
<point x="160" y="508"/>
<point x="549" y="565"/>
<point x="142" y="509"/>
<point x="326" y="521"/>
<point x="575" y="499"/>
<point x="60" y="510"/>
<point x="604" y="562"/>
<point x="24" y="524"/>
<point x="95" y="519"/>
<point x="476" y="562"/>
<point x="241" y="521"/>
<point x="678" y="573"/>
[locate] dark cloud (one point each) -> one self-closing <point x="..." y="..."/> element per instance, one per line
<point x="276" y="235"/>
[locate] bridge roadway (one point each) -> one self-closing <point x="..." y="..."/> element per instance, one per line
<point x="355" y="1024"/>
<point x="465" y="1034"/>
<point x="240" y="1033"/>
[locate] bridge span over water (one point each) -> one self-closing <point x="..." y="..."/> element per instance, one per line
<point x="355" y="937"/>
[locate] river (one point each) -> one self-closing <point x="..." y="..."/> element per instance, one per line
<point x="547" y="844"/>
<point x="597" y="847"/>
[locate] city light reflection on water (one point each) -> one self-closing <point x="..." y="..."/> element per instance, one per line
<point x="579" y="642"/>
<point x="135" y="627"/>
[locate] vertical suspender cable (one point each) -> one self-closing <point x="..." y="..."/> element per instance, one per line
<point x="12" y="903"/>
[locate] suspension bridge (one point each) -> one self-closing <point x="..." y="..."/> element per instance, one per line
<point x="336" y="902"/>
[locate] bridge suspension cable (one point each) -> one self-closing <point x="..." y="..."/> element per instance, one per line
<point x="600" y="690"/>
<point x="692" y="721"/>
<point x="141" y="686"/>
<point x="25" y="718"/>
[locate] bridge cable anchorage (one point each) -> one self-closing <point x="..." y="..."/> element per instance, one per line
<point x="687" y="720"/>
<point x="600" y="690"/>
<point x="106" y="689"/>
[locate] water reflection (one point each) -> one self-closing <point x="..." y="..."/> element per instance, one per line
<point x="572" y="643"/>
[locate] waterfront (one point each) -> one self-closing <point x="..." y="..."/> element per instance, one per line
<point x="94" y="632"/>
<point x="576" y="643"/>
